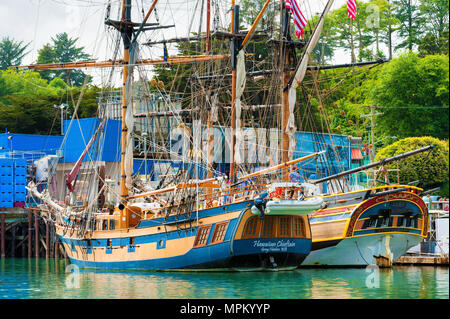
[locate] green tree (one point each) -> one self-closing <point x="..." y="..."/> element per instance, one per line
<point x="356" y="36"/>
<point x="430" y="45"/>
<point x="12" y="52"/>
<point x="63" y="49"/>
<point x="414" y="96"/>
<point x="408" y="14"/>
<point x="435" y="13"/>
<point x="27" y="100"/>
<point x="249" y="10"/>
<point x="429" y="168"/>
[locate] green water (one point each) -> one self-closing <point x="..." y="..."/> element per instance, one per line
<point x="41" y="279"/>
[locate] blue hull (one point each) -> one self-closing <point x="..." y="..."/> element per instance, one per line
<point x="250" y="253"/>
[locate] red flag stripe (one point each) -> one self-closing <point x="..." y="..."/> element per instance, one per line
<point x="351" y="9"/>
<point x="297" y="12"/>
<point x="298" y="17"/>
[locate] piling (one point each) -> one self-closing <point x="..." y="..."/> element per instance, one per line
<point x="36" y="235"/>
<point x="56" y="251"/>
<point x="47" y="241"/>
<point x="30" y="225"/>
<point x="17" y="230"/>
<point x="13" y="242"/>
<point x="2" y="234"/>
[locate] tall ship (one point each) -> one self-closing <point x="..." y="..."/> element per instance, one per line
<point x="251" y="217"/>
<point x="247" y="219"/>
<point x="372" y="226"/>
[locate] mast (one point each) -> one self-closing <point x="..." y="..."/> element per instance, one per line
<point x="127" y="33"/>
<point x="289" y="90"/>
<point x="285" y="94"/>
<point x="234" y="51"/>
<point x="210" y="150"/>
<point x="238" y="84"/>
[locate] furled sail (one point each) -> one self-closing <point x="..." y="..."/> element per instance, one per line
<point x="240" y="86"/>
<point x="129" y="117"/>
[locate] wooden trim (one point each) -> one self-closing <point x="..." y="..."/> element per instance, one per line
<point x="273" y="226"/>
<point x="257" y="221"/>
<point x="223" y="230"/>
<point x="202" y="236"/>
<point x="289" y="226"/>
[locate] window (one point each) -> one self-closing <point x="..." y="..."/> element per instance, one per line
<point x="105" y="224"/>
<point x="400" y="221"/>
<point x="415" y="222"/>
<point x="219" y="233"/>
<point x="251" y="229"/>
<point x="408" y="221"/>
<point x="108" y="245"/>
<point x="373" y="221"/>
<point x="112" y="224"/>
<point x="299" y="227"/>
<point x="268" y="229"/>
<point x="202" y="236"/>
<point x="379" y="222"/>
<point x="386" y="222"/>
<point x="284" y="226"/>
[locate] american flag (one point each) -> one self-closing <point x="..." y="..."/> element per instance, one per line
<point x="299" y="18"/>
<point x="351" y="8"/>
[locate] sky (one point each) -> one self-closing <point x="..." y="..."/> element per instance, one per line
<point x="37" y="21"/>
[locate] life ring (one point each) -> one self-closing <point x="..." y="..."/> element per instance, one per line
<point x="277" y="193"/>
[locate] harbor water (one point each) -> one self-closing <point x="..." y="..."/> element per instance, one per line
<point x="57" y="279"/>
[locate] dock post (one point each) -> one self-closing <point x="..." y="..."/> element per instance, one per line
<point x="56" y="250"/>
<point x="13" y="241"/>
<point x="2" y="234"/>
<point x="30" y="225"/>
<point x="47" y="240"/>
<point x="23" y="234"/>
<point x="36" y="235"/>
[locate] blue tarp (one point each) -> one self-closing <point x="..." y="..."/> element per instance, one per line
<point x="336" y="159"/>
<point x="81" y="132"/>
<point x="29" y="143"/>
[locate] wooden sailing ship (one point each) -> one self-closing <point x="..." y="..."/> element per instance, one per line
<point x="373" y="226"/>
<point x="196" y="224"/>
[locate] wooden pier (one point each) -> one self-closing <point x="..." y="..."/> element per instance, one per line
<point x="423" y="260"/>
<point x="24" y="233"/>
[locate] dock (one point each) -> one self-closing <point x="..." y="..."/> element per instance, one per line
<point x="423" y="260"/>
<point x="24" y="233"/>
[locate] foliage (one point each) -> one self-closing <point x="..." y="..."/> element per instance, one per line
<point x="430" y="44"/>
<point x="414" y="96"/>
<point x="11" y="52"/>
<point x="371" y="27"/>
<point x="249" y="10"/>
<point x="27" y="102"/>
<point x="63" y="49"/>
<point x="430" y="168"/>
<point x="408" y="14"/>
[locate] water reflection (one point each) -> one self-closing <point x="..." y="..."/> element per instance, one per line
<point x="31" y="278"/>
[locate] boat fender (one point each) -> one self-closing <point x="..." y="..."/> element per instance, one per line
<point x="260" y="203"/>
